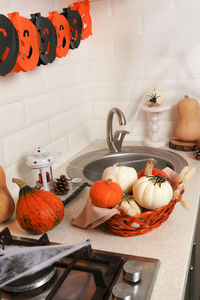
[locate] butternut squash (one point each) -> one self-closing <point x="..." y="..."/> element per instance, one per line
<point x="7" y="204"/>
<point x="188" y="125"/>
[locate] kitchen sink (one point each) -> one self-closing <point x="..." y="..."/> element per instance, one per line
<point x="90" y="166"/>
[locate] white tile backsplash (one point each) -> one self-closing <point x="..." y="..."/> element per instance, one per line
<point x="136" y="45"/>
<point x="59" y="77"/>
<point x="116" y="70"/>
<point x="165" y="69"/>
<point x="159" y="23"/>
<point x="17" y="145"/>
<point x="110" y="90"/>
<point x="80" y="137"/>
<point x="44" y="106"/>
<point x="85" y="112"/>
<point x="59" y="147"/>
<point x="5" y="2"/>
<point x="14" y="87"/>
<point x="76" y="95"/>
<point x="9" y="123"/>
<point x="140" y="7"/>
<point x="64" y="123"/>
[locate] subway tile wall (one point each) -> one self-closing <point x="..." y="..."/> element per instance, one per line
<point x="49" y="106"/>
<point x="149" y="44"/>
<point x="136" y="45"/>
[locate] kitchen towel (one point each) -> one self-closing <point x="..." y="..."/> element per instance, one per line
<point x="91" y="216"/>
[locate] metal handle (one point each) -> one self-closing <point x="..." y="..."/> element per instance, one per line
<point x="74" y="194"/>
<point x="192" y="274"/>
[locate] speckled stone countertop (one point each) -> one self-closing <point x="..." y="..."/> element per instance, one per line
<point x="171" y="243"/>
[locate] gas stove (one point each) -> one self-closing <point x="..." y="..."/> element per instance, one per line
<point x="86" y="274"/>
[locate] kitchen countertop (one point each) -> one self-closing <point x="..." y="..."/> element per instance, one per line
<point x="171" y="243"/>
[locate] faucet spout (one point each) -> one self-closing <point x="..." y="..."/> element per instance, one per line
<point x="115" y="140"/>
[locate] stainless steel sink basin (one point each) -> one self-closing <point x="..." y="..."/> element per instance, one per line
<point x="90" y="166"/>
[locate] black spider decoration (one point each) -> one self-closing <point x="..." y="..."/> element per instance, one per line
<point x="153" y="99"/>
<point x="159" y="179"/>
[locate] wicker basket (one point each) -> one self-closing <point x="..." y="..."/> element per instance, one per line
<point x="125" y="225"/>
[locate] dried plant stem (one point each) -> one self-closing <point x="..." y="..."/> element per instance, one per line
<point x="149" y="167"/>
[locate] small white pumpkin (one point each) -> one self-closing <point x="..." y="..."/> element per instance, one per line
<point x="129" y="207"/>
<point x="155" y="98"/>
<point x="123" y="175"/>
<point x="150" y="193"/>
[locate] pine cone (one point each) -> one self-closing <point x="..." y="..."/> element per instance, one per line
<point x="196" y="152"/>
<point x="61" y="185"/>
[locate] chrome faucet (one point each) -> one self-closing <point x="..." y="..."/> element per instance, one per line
<point x="115" y="141"/>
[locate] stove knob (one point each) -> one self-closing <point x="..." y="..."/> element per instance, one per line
<point x="132" y="271"/>
<point x="122" y="291"/>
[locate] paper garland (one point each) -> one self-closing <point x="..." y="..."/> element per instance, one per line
<point x="25" y="44"/>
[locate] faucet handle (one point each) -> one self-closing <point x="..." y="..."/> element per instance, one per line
<point x="119" y="135"/>
<point x="118" y="138"/>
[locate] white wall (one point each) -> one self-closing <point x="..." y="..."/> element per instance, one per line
<point x="49" y="106"/>
<point x="136" y="45"/>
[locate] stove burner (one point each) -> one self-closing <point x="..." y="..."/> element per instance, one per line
<point x="31" y="282"/>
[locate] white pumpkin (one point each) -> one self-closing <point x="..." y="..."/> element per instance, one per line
<point x="123" y="175"/>
<point x="151" y="194"/>
<point x="155" y="98"/>
<point x="129" y="207"/>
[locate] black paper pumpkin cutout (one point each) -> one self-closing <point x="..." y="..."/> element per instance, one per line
<point x="76" y="25"/>
<point x="9" y="45"/>
<point x="48" y="38"/>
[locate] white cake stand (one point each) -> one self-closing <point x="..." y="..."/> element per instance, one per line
<point x="154" y="140"/>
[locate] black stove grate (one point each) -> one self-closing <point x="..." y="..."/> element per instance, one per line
<point x="84" y="260"/>
<point x="103" y="281"/>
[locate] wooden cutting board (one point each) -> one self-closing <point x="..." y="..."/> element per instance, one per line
<point x="183" y="146"/>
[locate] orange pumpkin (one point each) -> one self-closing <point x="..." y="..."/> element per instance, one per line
<point x="105" y="193"/>
<point x="150" y="171"/>
<point x="37" y="211"/>
<point x="155" y="172"/>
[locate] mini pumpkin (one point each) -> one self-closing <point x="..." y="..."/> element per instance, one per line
<point x="123" y="175"/>
<point x="152" y="191"/>
<point x="129" y="206"/>
<point x="37" y="211"/>
<point x="155" y="98"/>
<point x="105" y="193"/>
<point x="149" y="170"/>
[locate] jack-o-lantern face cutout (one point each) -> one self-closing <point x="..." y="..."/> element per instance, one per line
<point x="63" y="33"/>
<point x="84" y="10"/>
<point x="9" y="45"/>
<point x="29" y="43"/>
<point x="48" y="38"/>
<point x="75" y="23"/>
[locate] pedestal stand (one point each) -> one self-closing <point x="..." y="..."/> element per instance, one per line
<point x="154" y="140"/>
